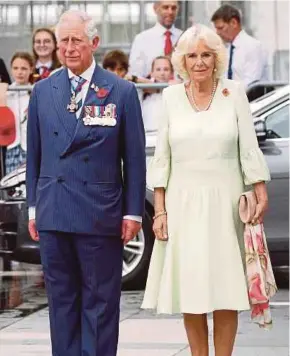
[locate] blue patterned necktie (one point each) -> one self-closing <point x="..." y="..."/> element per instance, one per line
<point x="76" y="89"/>
<point x="230" y="70"/>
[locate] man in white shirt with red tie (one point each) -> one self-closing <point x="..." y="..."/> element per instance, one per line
<point x="156" y="41"/>
<point x="247" y="57"/>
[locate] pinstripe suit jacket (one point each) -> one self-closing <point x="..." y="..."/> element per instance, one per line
<point x="74" y="172"/>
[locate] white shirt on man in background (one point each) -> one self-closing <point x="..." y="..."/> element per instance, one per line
<point x="148" y="45"/>
<point x="249" y="59"/>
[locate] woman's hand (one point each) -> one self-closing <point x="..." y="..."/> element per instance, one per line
<point x="262" y="206"/>
<point x="160" y="228"/>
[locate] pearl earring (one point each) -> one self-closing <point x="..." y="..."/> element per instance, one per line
<point x="215" y="70"/>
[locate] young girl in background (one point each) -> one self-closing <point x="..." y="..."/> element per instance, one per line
<point x="44" y="50"/>
<point x="22" y="65"/>
<point x="161" y="72"/>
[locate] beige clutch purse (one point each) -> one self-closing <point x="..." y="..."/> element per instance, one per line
<point x="247" y="206"/>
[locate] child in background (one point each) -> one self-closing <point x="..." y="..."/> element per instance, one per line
<point x="22" y="65"/>
<point x="118" y="62"/>
<point x="44" y="47"/>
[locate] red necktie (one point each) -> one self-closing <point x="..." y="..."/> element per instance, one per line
<point x="168" y="43"/>
<point x="45" y="72"/>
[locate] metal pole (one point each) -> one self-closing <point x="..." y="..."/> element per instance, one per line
<point x="142" y="15"/>
<point x="105" y="32"/>
<point x="2" y="162"/>
<point x="184" y="15"/>
<point x="31" y="17"/>
<point x="276" y="74"/>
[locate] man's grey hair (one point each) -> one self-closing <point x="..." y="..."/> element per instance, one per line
<point x="91" y="25"/>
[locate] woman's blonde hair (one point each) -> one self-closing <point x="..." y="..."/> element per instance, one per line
<point x="188" y="39"/>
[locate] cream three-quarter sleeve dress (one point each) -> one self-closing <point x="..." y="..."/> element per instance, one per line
<point x="203" y="160"/>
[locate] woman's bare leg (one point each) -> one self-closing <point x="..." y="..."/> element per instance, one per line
<point x="197" y="333"/>
<point x="225" y="324"/>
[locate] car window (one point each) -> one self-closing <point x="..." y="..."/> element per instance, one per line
<point x="278" y="123"/>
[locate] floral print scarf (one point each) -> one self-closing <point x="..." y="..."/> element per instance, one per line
<point x="259" y="273"/>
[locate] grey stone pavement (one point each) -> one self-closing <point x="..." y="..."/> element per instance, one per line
<point x="142" y="333"/>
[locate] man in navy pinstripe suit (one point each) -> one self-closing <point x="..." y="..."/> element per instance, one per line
<point x="85" y="188"/>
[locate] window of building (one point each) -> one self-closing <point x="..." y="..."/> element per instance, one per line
<point x="123" y="13"/>
<point x="9" y="15"/>
<point x="43" y="15"/>
<point x="96" y="10"/>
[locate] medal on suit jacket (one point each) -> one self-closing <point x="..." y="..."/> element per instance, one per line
<point x="72" y="106"/>
<point x="95" y="87"/>
<point x="100" y="115"/>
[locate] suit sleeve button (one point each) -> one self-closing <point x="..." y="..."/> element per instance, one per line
<point x="85" y="182"/>
<point x="86" y="159"/>
<point x="55" y="133"/>
<point x="60" y="180"/>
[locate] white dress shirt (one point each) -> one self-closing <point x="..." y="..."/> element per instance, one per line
<point x="152" y="110"/>
<point x="249" y="59"/>
<point x="148" y="45"/>
<point x="87" y="74"/>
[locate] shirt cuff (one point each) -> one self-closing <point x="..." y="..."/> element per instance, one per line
<point x="133" y="217"/>
<point x="31" y="213"/>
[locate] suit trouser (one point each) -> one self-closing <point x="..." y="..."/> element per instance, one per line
<point x="83" y="282"/>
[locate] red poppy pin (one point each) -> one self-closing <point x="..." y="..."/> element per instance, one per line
<point x="102" y="93"/>
<point x="226" y="92"/>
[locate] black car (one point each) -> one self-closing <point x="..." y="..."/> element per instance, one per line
<point x="271" y="115"/>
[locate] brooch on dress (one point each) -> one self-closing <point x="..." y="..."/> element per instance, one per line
<point x="226" y="92"/>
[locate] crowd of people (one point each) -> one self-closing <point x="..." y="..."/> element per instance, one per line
<point x="149" y="62"/>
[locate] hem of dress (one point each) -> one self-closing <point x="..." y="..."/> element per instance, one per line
<point x="195" y="311"/>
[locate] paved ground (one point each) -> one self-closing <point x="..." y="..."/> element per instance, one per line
<point x="24" y="328"/>
<point x="141" y="332"/>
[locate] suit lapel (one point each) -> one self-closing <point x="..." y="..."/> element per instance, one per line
<point x="92" y="99"/>
<point x="61" y="95"/>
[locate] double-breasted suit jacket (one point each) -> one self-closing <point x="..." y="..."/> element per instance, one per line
<point x="85" y="178"/>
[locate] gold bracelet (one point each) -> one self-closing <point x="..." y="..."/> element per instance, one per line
<point x="159" y="214"/>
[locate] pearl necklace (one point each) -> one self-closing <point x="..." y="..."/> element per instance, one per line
<point x="210" y="101"/>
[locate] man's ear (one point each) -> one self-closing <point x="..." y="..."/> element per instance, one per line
<point x="234" y="23"/>
<point x="95" y="42"/>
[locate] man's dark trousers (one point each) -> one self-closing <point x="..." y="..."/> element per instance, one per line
<point x="83" y="282"/>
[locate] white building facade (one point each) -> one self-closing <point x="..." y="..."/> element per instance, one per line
<point x="120" y="21"/>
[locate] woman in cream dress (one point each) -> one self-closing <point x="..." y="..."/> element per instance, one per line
<point x="206" y="153"/>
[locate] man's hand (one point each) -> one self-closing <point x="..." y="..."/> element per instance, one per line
<point x="32" y="230"/>
<point x="130" y="229"/>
